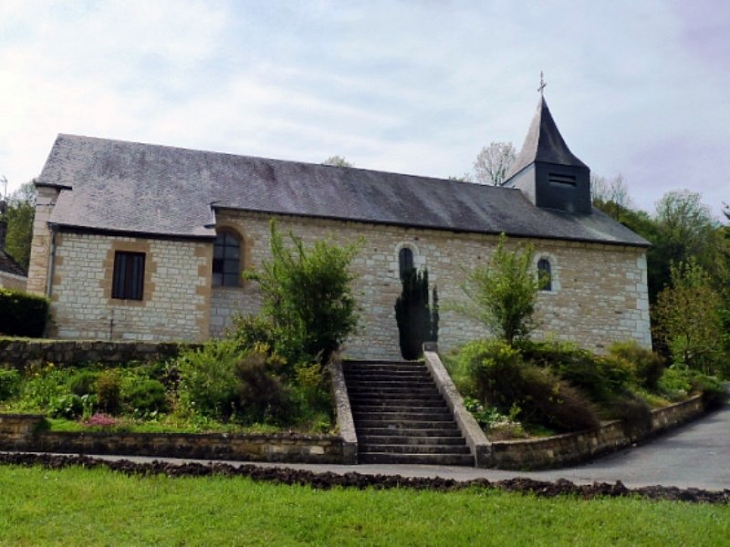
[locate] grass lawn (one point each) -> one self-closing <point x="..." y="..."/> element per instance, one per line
<point x="98" y="507"/>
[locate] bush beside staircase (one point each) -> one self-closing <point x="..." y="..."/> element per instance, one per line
<point x="400" y="416"/>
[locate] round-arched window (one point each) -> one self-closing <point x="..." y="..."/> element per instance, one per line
<point x="405" y="261"/>
<point x="226" y="260"/>
<point x="544" y="274"/>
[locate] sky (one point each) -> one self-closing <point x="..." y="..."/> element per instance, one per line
<point x="639" y="88"/>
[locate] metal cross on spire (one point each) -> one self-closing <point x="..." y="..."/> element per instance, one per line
<point x="543" y="83"/>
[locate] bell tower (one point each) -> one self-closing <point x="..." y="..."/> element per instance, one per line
<point x="546" y="171"/>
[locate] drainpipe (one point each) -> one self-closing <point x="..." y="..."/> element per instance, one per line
<point x="52" y="261"/>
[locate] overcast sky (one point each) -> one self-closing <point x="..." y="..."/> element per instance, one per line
<point x="637" y="87"/>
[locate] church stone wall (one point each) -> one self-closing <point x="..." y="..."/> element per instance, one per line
<point x="176" y="303"/>
<point x="599" y="291"/>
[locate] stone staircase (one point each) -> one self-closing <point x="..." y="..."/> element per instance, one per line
<point x="400" y="416"/>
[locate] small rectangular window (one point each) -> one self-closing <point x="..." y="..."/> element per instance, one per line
<point x="128" y="280"/>
<point x="560" y="178"/>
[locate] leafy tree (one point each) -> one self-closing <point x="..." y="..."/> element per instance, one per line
<point x="685" y="229"/>
<point x="307" y="296"/>
<point x="688" y="318"/>
<point x="337" y="161"/>
<point x="503" y="293"/>
<point x="416" y="322"/>
<point x="19" y="217"/>
<point x="493" y="162"/>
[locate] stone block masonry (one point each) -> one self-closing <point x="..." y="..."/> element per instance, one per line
<point x="25" y="433"/>
<point x="599" y="291"/>
<point x="176" y="300"/>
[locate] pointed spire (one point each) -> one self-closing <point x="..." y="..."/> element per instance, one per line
<point x="543" y="142"/>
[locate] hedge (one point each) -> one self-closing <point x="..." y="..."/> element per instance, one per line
<point x="22" y="314"/>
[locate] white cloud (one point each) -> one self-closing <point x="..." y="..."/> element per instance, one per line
<point x="420" y="87"/>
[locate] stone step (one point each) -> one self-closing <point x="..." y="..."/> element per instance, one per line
<point x="414" y="449"/>
<point x="402" y="424"/>
<point x="416" y="459"/>
<point x="387" y="402"/>
<point x="357" y="377"/>
<point x="411" y="432"/>
<point x="416" y="365"/>
<point x="399" y="406"/>
<point x="370" y="440"/>
<point x="408" y="415"/>
<point x="385" y="382"/>
<point x="366" y="388"/>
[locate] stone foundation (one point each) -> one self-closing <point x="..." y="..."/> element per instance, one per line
<point x="25" y="433"/>
<point x="19" y="353"/>
<point x="571" y="448"/>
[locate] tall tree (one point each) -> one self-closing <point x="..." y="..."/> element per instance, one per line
<point x="610" y="195"/>
<point x="19" y="218"/>
<point x="337" y="161"/>
<point x="688" y="318"/>
<point x="493" y="162"/>
<point x="685" y="228"/>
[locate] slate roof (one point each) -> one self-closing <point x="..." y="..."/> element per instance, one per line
<point x="543" y="143"/>
<point x="130" y="187"/>
<point x="8" y="265"/>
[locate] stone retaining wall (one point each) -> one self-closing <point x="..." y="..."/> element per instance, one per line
<point x="18" y="353"/>
<point x="24" y="433"/>
<point x="562" y="450"/>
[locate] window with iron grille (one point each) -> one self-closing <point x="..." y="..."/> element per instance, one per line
<point x="226" y="260"/>
<point x="128" y="281"/>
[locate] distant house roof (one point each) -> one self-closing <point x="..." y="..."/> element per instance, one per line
<point x="543" y="143"/>
<point x="130" y="187"/>
<point x="8" y="265"/>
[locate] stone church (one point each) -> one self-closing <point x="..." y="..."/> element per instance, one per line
<point x="146" y="242"/>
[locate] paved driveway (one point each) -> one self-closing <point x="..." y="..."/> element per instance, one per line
<point x="696" y="455"/>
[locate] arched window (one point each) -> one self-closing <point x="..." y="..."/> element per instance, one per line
<point x="545" y="275"/>
<point x="226" y="260"/>
<point x="405" y="260"/>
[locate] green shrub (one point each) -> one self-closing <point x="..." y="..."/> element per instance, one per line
<point x="312" y="388"/>
<point x="262" y="396"/>
<point x="9" y="384"/>
<point x="600" y="378"/>
<point x="634" y="412"/>
<point x="714" y="394"/>
<point x="67" y="406"/>
<point x="207" y="379"/>
<point x="502" y="294"/>
<point x="307" y="296"/>
<point x="493" y="369"/>
<point x="548" y="401"/>
<point x="648" y="365"/>
<point x="250" y="330"/>
<point x="533" y="394"/>
<point x="22" y="314"/>
<point x="40" y="385"/>
<point x="676" y="382"/>
<point x="147" y="397"/>
<point x="109" y="392"/>
<point x="83" y="382"/>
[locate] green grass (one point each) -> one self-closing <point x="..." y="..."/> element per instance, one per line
<point x="99" y="507"/>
